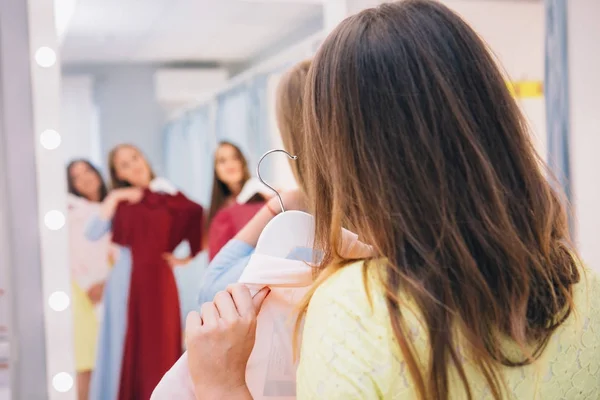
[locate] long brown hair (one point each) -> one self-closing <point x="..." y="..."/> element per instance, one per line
<point x="103" y="191"/>
<point x="220" y="191"/>
<point x="289" y="106"/>
<point x="115" y="182"/>
<point x="416" y="144"/>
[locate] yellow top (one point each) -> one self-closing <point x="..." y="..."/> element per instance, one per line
<point x="349" y="350"/>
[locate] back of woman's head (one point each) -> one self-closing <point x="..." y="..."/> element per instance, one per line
<point x="417" y="145"/>
<point x="290" y="92"/>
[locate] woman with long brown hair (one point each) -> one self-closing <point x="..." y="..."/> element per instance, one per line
<point x="226" y="216"/>
<point x="141" y="333"/>
<point x="474" y="290"/>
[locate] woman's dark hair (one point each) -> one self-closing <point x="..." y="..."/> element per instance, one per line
<point x="220" y="191"/>
<point x="414" y="142"/>
<point x="71" y="187"/>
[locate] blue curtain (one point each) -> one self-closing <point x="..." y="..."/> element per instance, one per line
<point x="188" y="156"/>
<point x="201" y="142"/>
<point x="557" y="92"/>
<point x="233" y="108"/>
<point x="189" y="143"/>
<point x="178" y="157"/>
<point x="242" y="118"/>
<point x="258" y="124"/>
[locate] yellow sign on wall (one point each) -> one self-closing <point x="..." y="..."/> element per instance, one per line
<point x="526" y="89"/>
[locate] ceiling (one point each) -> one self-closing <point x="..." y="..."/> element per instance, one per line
<point x="163" y="31"/>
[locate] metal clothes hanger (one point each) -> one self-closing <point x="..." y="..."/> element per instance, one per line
<point x="291" y="157"/>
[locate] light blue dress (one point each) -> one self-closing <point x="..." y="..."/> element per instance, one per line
<point x="111" y="340"/>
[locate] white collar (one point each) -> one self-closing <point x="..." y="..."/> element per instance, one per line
<point x="162" y="185"/>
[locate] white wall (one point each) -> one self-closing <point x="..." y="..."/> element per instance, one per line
<point x="584" y="69"/>
<point x="129" y="112"/>
<point x="515" y="32"/>
<point x="78" y="122"/>
<point x="127" y="109"/>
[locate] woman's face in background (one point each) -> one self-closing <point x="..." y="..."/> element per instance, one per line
<point x="131" y="166"/>
<point x="229" y="166"/>
<point x="85" y="181"/>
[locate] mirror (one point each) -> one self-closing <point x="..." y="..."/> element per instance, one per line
<point x="173" y="80"/>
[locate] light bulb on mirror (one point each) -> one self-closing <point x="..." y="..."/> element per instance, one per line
<point x="54" y="220"/>
<point x="62" y="382"/>
<point x="50" y="139"/>
<point x="59" y="301"/>
<point x="45" y="57"/>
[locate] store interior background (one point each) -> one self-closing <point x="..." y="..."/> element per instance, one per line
<point x="176" y="77"/>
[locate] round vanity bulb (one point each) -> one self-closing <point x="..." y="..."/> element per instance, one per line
<point x="62" y="382"/>
<point x="59" y="301"/>
<point x="45" y="57"/>
<point x="50" y="139"/>
<point x="54" y="220"/>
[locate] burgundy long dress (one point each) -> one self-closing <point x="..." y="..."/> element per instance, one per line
<point x="153" y="341"/>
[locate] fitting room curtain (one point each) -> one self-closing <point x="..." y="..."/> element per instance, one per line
<point x="233" y="108"/>
<point x="258" y="124"/>
<point x="242" y="117"/>
<point x="188" y="156"/>
<point x="557" y="92"/>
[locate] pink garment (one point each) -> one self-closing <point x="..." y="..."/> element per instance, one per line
<point x="271" y="371"/>
<point x="89" y="261"/>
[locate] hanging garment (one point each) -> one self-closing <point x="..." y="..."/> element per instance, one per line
<point x="151" y="228"/>
<point x="228" y="222"/>
<point x="271" y="370"/>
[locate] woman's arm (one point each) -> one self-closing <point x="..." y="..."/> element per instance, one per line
<point x="225" y="269"/>
<point x="101" y="224"/>
<point x="97" y="227"/>
<point x="109" y="205"/>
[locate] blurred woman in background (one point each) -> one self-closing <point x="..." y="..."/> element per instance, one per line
<point x="89" y="265"/>
<point x="141" y="332"/>
<point x="226" y="215"/>
<point x="227" y="267"/>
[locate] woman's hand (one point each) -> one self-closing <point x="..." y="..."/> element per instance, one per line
<point x="174" y="261"/>
<point x="220" y="342"/>
<point x="131" y="195"/>
<point x="96" y="292"/>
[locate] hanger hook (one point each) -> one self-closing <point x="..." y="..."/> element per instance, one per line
<point x="291" y="157"/>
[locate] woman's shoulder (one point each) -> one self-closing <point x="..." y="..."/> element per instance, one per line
<point x="586" y="297"/>
<point x="355" y="288"/>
